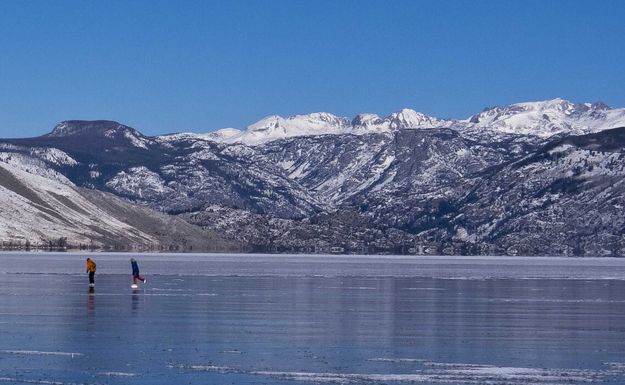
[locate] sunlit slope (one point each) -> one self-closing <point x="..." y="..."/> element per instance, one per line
<point x="49" y="210"/>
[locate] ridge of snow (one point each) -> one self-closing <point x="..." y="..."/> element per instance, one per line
<point x="135" y="140"/>
<point x="541" y="119"/>
<point x="221" y="135"/>
<point x="275" y="127"/>
<point x="546" y="118"/>
<point x="224" y="135"/>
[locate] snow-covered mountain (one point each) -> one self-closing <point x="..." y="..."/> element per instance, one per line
<point x="542" y="119"/>
<point x="546" y="119"/>
<point x="322" y="123"/>
<point x="366" y="184"/>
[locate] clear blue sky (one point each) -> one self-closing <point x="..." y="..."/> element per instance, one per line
<point x="170" y="66"/>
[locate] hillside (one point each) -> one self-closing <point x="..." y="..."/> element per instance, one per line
<point x="43" y="209"/>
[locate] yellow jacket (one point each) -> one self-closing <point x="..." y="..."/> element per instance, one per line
<point x="90" y="266"/>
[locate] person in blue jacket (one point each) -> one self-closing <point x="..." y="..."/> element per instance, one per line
<point x="135" y="272"/>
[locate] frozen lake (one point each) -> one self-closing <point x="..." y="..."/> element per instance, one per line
<point x="215" y="319"/>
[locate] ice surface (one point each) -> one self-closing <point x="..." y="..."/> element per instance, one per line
<point x="298" y="265"/>
<point x="217" y="319"/>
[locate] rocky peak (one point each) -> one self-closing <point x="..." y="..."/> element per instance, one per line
<point x="366" y="120"/>
<point x="107" y="128"/>
<point x="407" y="118"/>
<point x="99" y="129"/>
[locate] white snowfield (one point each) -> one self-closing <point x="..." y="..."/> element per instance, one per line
<point x="37" y="207"/>
<point x="548" y="118"/>
<point x="540" y="119"/>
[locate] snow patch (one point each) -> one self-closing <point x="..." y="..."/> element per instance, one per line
<point x="138" y="181"/>
<point x="135" y="140"/>
<point x="53" y="156"/>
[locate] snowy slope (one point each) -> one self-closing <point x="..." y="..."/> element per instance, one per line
<point x="545" y="119"/>
<point x="35" y="163"/>
<point x="37" y="209"/>
<point x="276" y="127"/>
<point x="40" y="206"/>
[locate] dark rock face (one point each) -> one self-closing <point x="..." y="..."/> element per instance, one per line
<point x="93" y="129"/>
<point x="408" y="190"/>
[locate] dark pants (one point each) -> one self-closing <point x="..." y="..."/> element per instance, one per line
<point x="92" y="277"/>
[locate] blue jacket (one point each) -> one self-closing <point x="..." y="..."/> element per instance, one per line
<point x="135" y="267"/>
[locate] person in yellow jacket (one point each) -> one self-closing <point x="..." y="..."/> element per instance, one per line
<point x="91" y="271"/>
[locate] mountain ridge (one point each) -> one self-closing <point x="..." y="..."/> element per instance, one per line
<point x="470" y="188"/>
<point x="542" y="119"/>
